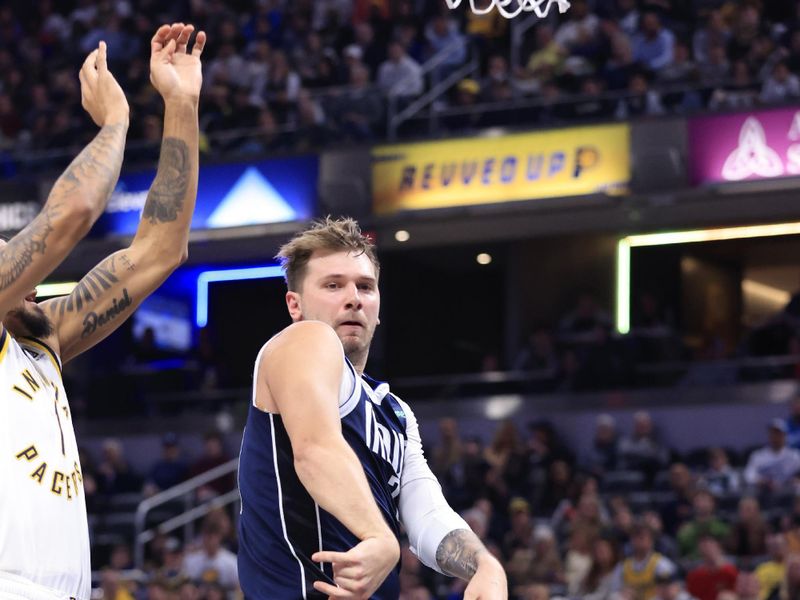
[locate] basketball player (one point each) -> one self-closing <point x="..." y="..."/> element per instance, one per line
<point x="44" y="539"/>
<point x="331" y="462"/>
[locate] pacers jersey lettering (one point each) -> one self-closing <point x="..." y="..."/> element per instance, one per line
<point x="41" y="500"/>
<point x="281" y="526"/>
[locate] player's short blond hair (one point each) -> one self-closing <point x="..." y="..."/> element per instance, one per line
<point x="326" y="235"/>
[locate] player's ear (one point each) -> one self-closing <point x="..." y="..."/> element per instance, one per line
<point x="293" y="304"/>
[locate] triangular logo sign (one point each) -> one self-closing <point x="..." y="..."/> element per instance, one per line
<point x="251" y="201"/>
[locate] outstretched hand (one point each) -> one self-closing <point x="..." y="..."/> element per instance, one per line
<point x="175" y="71"/>
<point x="101" y="95"/>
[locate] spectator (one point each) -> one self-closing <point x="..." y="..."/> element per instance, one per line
<point x="714" y="574"/>
<point x="670" y="587"/>
<point x="520" y="535"/>
<point x="580" y="28"/>
<point x="400" y="75"/>
<point x="771" y="573"/>
<point x="714" y="33"/>
<point x="748" y="535"/>
<point x="741" y="93"/>
<point x="578" y="560"/>
<point x="170" y="469"/>
<point x="782" y="86"/>
<point x="442" y="35"/>
<point x="679" y="509"/>
<point x="640" y="572"/>
<point x="214" y="455"/>
<point x="663" y="543"/>
<point x="599" y="582"/>
<point x="359" y="109"/>
<point x="747" y="586"/>
<point x="212" y="562"/>
<point x="114" y="474"/>
<point x="653" y="45"/>
<point x="112" y="587"/>
<point x="603" y="456"/>
<point x="789" y="588"/>
<point x="641" y="451"/>
<point x="704" y="523"/>
<point x="773" y="466"/>
<point x="720" y="478"/>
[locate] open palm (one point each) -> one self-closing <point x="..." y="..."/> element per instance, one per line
<point x="174" y="71"/>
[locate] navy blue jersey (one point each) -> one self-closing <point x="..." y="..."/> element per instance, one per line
<point x="281" y="526"/>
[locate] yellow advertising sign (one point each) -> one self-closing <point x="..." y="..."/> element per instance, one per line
<point x="525" y="166"/>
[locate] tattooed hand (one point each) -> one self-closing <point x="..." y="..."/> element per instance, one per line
<point x="101" y="95"/>
<point x="174" y="71"/>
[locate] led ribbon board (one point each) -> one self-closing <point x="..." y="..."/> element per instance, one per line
<point x="745" y="146"/>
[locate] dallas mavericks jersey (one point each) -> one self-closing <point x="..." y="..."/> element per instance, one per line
<point x="281" y="526"/>
<point x="44" y="536"/>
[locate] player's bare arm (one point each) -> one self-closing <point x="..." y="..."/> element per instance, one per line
<point x="80" y="194"/>
<point x="109" y="294"/>
<point x="302" y="370"/>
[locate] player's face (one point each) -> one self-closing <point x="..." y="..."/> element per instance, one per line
<point x="27" y="318"/>
<point x="340" y="289"/>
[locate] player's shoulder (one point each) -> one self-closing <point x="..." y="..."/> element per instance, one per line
<point x="303" y="338"/>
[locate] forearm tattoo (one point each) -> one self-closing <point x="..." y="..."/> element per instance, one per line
<point x="458" y="553"/>
<point x="97" y="166"/>
<point x="166" y="196"/>
<point x="90" y="289"/>
<point x="18" y="254"/>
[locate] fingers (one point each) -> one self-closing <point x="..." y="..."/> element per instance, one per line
<point x="159" y="39"/>
<point x="183" y="38"/>
<point x="169" y="49"/>
<point x="326" y="556"/>
<point x="102" y="63"/>
<point x="88" y="71"/>
<point x="331" y="590"/>
<point x="199" y="43"/>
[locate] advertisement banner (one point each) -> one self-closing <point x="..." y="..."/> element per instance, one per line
<point x="744" y="146"/>
<point x="230" y="195"/>
<point x="525" y="166"/>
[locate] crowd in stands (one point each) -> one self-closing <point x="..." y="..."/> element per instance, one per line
<point x="625" y="519"/>
<point x="325" y="70"/>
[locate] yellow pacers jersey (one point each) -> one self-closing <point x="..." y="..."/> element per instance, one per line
<point x="44" y="537"/>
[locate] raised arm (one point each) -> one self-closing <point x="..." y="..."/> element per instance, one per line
<point x="109" y="294"/>
<point x="303" y="371"/>
<point x="78" y="197"/>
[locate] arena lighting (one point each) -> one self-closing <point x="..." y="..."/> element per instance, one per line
<point x="402" y="235"/>
<point x="207" y="277"/>
<point x="766" y="292"/>
<point x="48" y="290"/>
<point x="680" y="237"/>
<point x="483" y="258"/>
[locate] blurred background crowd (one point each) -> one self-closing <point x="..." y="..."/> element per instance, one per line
<point x="304" y="74"/>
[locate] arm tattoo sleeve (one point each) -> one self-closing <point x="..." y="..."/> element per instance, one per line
<point x="90" y="289"/>
<point x="458" y="553"/>
<point x="97" y="165"/>
<point x="18" y="254"/>
<point x="165" y="198"/>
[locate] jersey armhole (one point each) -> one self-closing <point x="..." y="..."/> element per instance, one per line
<point x="350" y="390"/>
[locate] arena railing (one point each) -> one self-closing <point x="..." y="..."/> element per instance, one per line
<point x="193" y="510"/>
<point x="438" y="86"/>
